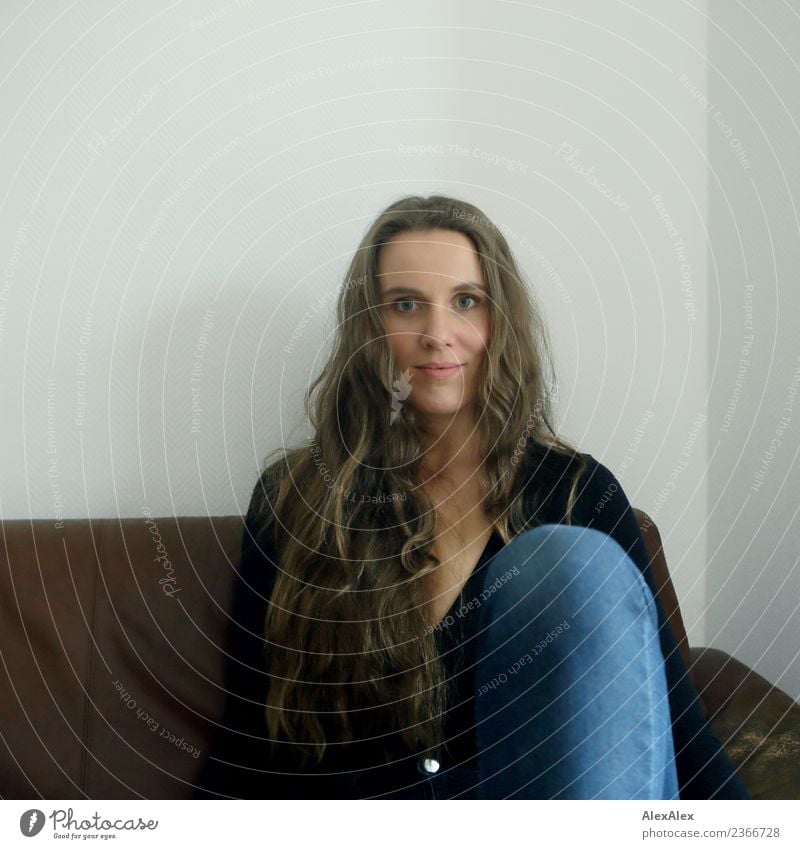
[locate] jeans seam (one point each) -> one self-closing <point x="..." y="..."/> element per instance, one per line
<point x="650" y="605"/>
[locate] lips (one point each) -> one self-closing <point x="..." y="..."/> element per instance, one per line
<point x="440" y="372"/>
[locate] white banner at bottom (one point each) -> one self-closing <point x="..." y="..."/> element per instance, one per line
<point x="401" y="824"/>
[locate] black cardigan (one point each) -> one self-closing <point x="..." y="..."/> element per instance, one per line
<point x="238" y="763"/>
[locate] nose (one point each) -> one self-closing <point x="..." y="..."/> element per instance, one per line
<point x="439" y="326"/>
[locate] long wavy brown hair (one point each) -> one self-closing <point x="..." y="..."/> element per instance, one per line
<point x="350" y="655"/>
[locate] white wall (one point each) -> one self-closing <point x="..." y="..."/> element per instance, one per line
<point x="192" y="180"/>
<point x="753" y="87"/>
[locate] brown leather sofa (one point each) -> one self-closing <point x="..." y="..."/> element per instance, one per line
<point x="111" y="676"/>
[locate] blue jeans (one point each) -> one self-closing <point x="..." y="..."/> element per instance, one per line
<point x="570" y="687"/>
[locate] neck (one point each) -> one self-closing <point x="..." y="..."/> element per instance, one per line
<point x="450" y="446"/>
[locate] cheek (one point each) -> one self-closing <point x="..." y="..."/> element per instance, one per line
<point x="399" y="343"/>
<point x="479" y="334"/>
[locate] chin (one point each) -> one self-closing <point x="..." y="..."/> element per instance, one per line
<point x="448" y="410"/>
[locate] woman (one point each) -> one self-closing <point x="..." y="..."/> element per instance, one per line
<point x="429" y="605"/>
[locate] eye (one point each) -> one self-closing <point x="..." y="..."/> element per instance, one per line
<point x="406" y="306"/>
<point x="396" y="305"/>
<point x="469" y="297"/>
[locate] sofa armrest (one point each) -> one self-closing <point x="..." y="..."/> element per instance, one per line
<point x="756" y="723"/>
<point x="665" y="589"/>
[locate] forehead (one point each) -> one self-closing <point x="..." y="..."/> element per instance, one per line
<point x="426" y="255"/>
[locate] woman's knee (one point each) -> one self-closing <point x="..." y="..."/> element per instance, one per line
<point x="566" y="559"/>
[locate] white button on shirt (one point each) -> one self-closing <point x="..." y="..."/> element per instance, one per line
<point x="428" y="765"/>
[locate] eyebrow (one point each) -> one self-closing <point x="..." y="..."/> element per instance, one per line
<point x="410" y="290"/>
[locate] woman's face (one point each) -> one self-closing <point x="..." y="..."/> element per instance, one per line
<point x="434" y="307"/>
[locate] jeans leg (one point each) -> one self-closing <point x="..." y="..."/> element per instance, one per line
<point x="570" y="687"/>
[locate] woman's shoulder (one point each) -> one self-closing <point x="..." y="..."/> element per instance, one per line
<point x="260" y="511"/>
<point x="596" y="479"/>
<point x="258" y="562"/>
<point x="551" y="475"/>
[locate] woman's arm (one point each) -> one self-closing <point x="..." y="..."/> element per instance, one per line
<point x="704" y="770"/>
<point x="241" y="764"/>
<point x="238" y="760"/>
